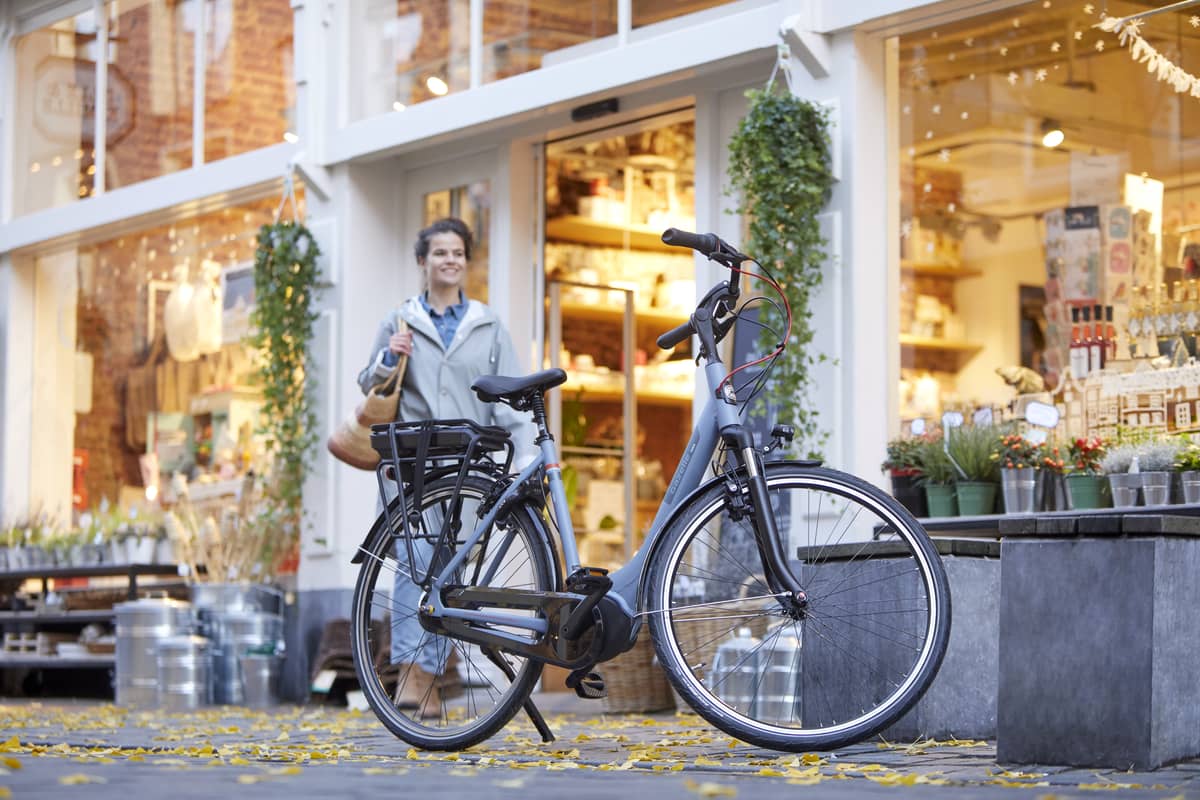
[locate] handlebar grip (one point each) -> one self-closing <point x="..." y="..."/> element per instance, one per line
<point x="675" y="335"/>
<point x="705" y="243"/>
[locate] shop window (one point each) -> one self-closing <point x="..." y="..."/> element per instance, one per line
<point x="163" y="400"/>
<point x="406" y="52"/>
<point x="54" y="147"/>
<point x="1046" y="174"/>
<point x="249" y="92"/>
<point x="648" y="12"/>
<point x="609" y="277"/>
<point x="518" y="34"/>
<point x="151" y="76"/>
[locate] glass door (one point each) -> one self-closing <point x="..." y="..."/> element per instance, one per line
<point x="612" y="287"/>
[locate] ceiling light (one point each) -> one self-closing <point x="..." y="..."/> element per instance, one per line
<point x="436" y="85"/>
<point x="1052" y="133"/>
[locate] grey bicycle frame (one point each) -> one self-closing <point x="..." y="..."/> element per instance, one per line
<point x="718" y="413"/>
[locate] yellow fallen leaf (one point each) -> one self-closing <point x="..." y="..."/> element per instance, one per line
<point x="10" y="762"/>
<point x="238" y="761"/>
<point x="811" y="758"/>
<point x="78" y="779"/>
<point x="287" y="771"/>
<point x="250" y="778"/>
<point x="701" y="761"/>
<point x="512" y="783"/>
<point x="708" y="789"/>
<point x="282" y="737"/>
<point x="807" y="781"/>
<point x="5" y="793"/>
<point x="12" y="744"/>
<point x="770" y="773"/>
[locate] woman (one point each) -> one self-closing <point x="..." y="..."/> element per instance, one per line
<point x="451" y="340"/>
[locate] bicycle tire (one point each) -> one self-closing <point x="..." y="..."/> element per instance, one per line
<point x="466" y="722"/>
<point x="856" y="626"/>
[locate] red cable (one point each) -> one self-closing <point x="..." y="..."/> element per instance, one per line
<point x="787" y="307"/>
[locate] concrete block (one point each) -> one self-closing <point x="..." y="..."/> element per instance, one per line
<point x="1099" y="661"/>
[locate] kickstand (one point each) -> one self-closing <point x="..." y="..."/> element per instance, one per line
<point x="535" y="716"/>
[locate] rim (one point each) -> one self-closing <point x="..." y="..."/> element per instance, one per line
<point x="901" y="534"/>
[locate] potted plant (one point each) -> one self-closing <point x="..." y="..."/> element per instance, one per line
<point x="937" y="476"/>
<point x="1085" y="481"/>
<point x="1019" y="460"/>
<point x="1187" y="464"/>
<point x="970" y="449"/>
<point x="903" y="467"/>
<point x="1155" y="461"/>
<point x="1117" y="464"/>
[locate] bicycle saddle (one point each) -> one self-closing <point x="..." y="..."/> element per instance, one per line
<point x="516" y="391"/>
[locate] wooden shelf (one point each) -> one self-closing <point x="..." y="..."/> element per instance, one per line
<point x="607" y="234"/>
<point x="35" y="661"/>
<point x="605" y="394"/>
<point x="51" y="617"/>
<point x="939" y="270"/>
<point x="960" y="351"/>
<point x="649" y="318"/>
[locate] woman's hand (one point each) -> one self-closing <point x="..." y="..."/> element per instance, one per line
<point x="401" y="343"/>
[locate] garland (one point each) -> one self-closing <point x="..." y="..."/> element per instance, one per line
<point x="780" y="165"/>
<point x="285" y="277"/>
<point x="1129" y="33"/>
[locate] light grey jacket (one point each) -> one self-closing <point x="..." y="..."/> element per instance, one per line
<point x="437" y="383"/>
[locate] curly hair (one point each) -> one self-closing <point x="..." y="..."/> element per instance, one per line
<point x="447" y="225"/>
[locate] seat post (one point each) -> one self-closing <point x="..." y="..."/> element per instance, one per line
<point x="537" y="403"/>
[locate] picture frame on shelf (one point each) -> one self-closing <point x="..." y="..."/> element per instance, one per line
<point x="237" y="284"/>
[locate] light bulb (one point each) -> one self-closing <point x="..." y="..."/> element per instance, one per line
<point x="436" y="85"/>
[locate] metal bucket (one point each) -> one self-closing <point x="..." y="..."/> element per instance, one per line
<point x="184" y="673"/>
<point x="778" y="698"/>
<point x="237" y="597"/>
<point x="234" y="634"/>
<point x="260" y="679"/>
<point x="141" y="625"/>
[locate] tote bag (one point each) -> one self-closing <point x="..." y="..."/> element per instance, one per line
<point x="351" y="442"/>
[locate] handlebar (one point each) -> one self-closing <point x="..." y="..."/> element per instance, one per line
<point x="708" y="320"/>
<point x="703" y="243"/>
<point x="675" y="335"/>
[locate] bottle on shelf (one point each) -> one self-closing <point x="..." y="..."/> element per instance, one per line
<point x="1110" y="334"/>
<point x="1097" y="346"/>
<point x="1078" y="356"/>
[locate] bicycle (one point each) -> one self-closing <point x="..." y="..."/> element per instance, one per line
<point x="807" y="628"/>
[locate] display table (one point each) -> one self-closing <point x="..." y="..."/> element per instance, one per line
<point x="1099" y="659"/>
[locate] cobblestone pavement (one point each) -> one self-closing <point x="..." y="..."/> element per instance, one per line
<point x="317" y="751"/>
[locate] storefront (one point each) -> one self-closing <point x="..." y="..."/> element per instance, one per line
<point x="568" y="135"/>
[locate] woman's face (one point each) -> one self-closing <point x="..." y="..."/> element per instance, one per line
<point x="446" y="265"/>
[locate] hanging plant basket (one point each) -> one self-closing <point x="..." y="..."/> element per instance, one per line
<point x="780" y="172"/>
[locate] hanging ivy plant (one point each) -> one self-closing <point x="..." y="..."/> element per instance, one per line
<point x="779" y="169"/>
<point x="285" y="277"/>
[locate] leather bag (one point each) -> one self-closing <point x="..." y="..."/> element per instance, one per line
<point x="351" y="442"/>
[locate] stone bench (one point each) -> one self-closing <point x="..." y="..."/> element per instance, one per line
<point x="1099" y="639"/>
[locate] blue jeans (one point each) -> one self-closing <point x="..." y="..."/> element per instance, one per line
<point x="411" y="642"/>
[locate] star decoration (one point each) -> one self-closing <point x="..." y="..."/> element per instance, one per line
<point x="906" y="228"/>
<point x="928" y="134"/>
<point x="1078" y="36"/>
<point x="1195" y="21"/>
<point x="1040" y="75"/>
<point x="951" y="206"/>
<point x="928" y="188"/>
<point x="1003" y="51"/>
<point x="944" y="154"/>
<point x="964" y="115"/>
<point x="937" y="108"/>
<point x="1012" y="78"/>
<point x="1054" y="48"/>
<point x="1099" y="47"/>
<point x="1089" y="8"/>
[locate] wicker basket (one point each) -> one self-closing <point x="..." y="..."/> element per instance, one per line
<point x="635" y="681"/>
<point x="701" y="632"/>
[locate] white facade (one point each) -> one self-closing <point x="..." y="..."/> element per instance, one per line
<point x="364" y="180"/>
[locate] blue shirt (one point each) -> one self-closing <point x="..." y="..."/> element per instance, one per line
<point x="446" y="324"/>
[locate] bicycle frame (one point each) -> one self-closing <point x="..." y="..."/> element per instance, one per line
<point x="718" y="414"/>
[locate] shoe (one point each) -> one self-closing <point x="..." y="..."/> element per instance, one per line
<point x="417" y="689"/>
<point x="449" y="683"/>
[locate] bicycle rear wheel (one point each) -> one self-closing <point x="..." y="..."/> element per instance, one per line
<point x="481" y="690"/>
<point x="851" y="663"/>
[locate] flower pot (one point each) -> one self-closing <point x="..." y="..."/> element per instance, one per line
<point x="1191" y="485"/>
<point x="1019" y="487"/>
<point x="1087" y="491"/>
<point x="1051" y="493"/>
<point x="909" y="493"/>
<point x="941" y="500"/>
<point x="143" y="552"/>
<point x="975" y="498"/>
<point x="1156" y="488"/>
<point x="1124" y="486"/>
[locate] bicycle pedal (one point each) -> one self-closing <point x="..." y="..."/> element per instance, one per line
<point x="588" y="685"/>
<point x="589" y="580"/>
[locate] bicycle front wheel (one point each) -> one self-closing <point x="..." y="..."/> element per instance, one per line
<point x="477" y="690"/>
<point x="844" y="667"/>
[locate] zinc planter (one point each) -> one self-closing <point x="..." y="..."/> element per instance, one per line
<point x="1087" y="491"/>
<point x="1191" y="486"/>
<point x="1156" y="488"/>
<point x="908" y="492"/>
<point x="1124" y="486"/>
<point x="941" y="500"/>
<point x="1019" y="487"/>
<point x="975" y="498"/>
